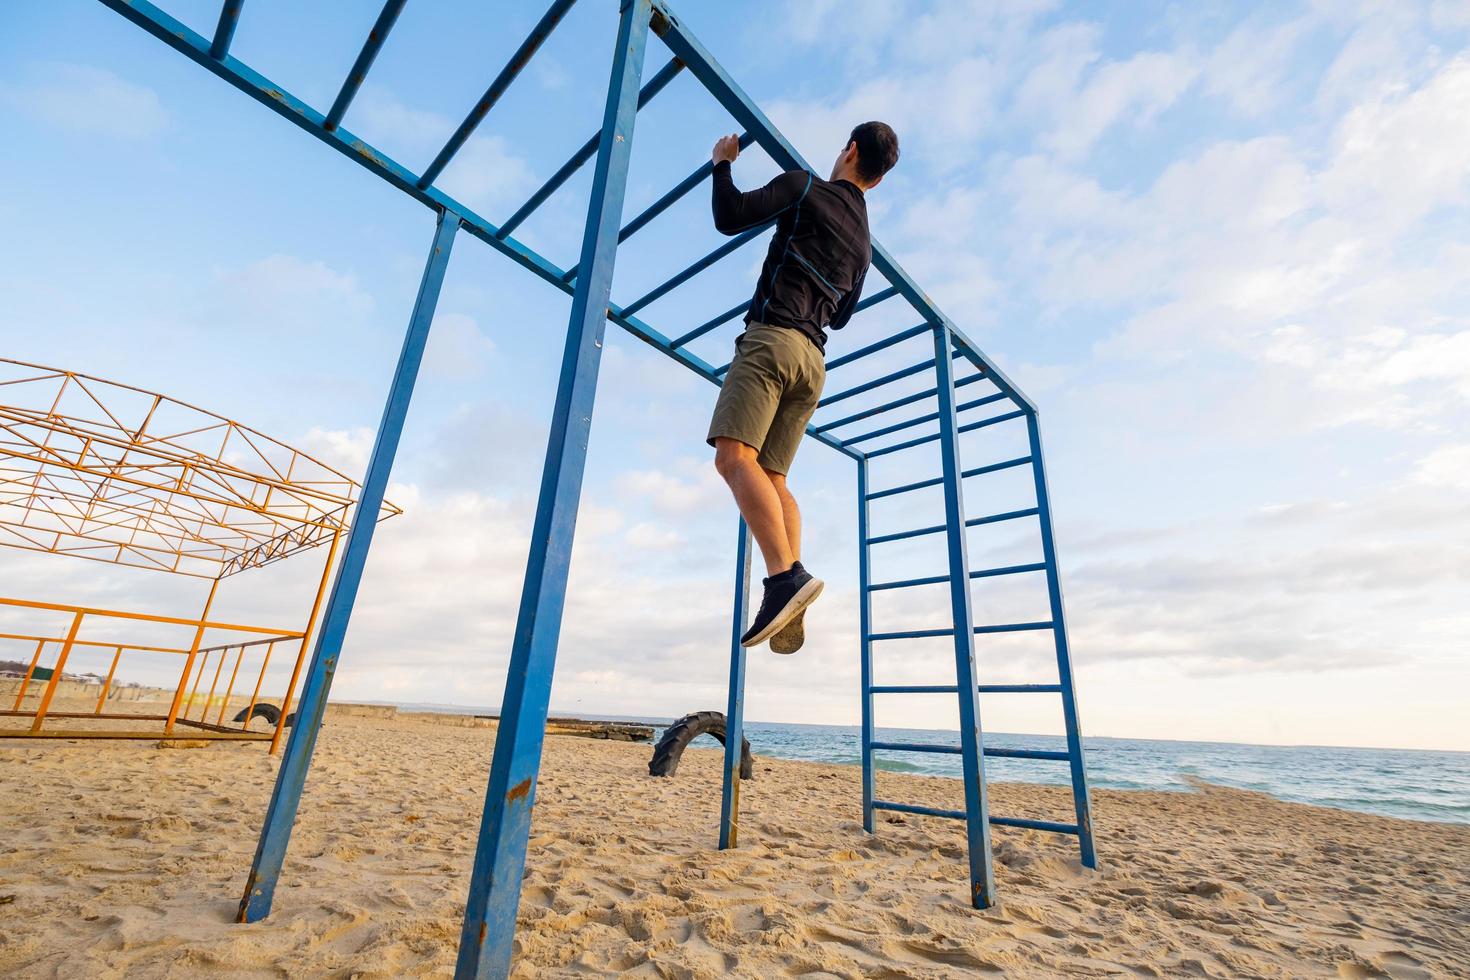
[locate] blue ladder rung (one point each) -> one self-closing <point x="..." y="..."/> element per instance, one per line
<point x="951" y="689"/>
<point x="972" y="522"/>
<point x="889" y="378"/>
<point x="934" y="436"/>
<point x="1022" y="822"/>
<point x="990" y="753"/>
<point x="993" y="467"/>
<point x="1043" y="754"/>
<point x="932" y="416"/>
<point x="917" y="396"/>
<point x="911" y="634"/>
<point x="923" y="811"/>
<point x="709" y="325"/>
<point x="907" y="583"/>
<point x="875" y="299"/>
<point x="1038" y="566"/>
<point x="1014" y="627"/>
<point x="915" y="747"/>
<point x="977" y="471"/>
<point x="884" y="344"/>
<point x="905" y="488"/>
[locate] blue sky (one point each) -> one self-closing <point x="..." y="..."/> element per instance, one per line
<point x="1221" y="245"/>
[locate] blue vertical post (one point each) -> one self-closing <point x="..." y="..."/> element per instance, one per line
<point x="735" y="709"/>
<point x="487" y="938"/>
<point x="291" y="778"/>
<point x="977" y="807"/>
<point x="865" y="643"/>
<point x="1081" y="798"/>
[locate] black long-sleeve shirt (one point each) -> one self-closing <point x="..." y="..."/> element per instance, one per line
<point x="814" y="268"/>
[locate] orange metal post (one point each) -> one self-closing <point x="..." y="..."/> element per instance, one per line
<point x="316" y="607"/>
<point x="198" y="679"/>
<point x="239" y="656"/>
<point x="209" y="699"/>
<point x="173" y="711"/>
<point x="261" y="677"/>
<point x="26" y="682"/>
<point x="108" y="683"/>
<point x="76" y="624"/>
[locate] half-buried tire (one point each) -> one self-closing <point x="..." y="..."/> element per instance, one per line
<point x="269" y="712"/>
<point x="676" y="738"/>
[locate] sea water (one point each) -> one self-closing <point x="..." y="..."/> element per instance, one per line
<point x="1409" y="783"/>
<point x="1418" y="785"/>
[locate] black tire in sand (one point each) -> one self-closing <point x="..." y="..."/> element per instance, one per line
<point x="676" y="738"/>
<point x="269" y="712"/>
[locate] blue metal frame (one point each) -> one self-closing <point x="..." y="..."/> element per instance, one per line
<point x="977" y="806"/>
<point x="500" y="857"/>
<point x="487" y="939"/>
<point x="280" y="815"/>
<point x="735" y="708"/>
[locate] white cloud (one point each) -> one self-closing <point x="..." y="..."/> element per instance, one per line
<point x="457" y="350"/>
<point x="88" y="100"/>
<point x="486" y="173"/>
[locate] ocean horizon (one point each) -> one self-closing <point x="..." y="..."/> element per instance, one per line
<point x="1414" y="784"/>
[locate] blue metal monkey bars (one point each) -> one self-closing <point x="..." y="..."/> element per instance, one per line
<point x="489" y="924"/>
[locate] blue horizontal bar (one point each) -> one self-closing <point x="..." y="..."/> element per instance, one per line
<point x="934" y="437"/>
<point x="1039" y="566"/>
<point x="905" y="488"/>
<point x="899" y="446"/>
<point x="709" y="325"/>
<point x="655" y="85"/>
<point x="370" y="48"/>
<point x="1027" y="754"/>
<point x="911" y="634"/>
<point x="1009" y="515"/>
<point x="951" y="689"/>
<point x="917" y="396"/>
<point x="920" y="420"/>
<point x="924" y="811"/>
<point x="877" y="382"/>
<point x="937" y="579"/>
<point x="995" y="467"/>
<point x="498" y="86"/>
<point x="908" y="583"/>
<point x="993" y="420"/>
<point x="875" y="299"/>
<point x="681" y="278"/>
<point x="664" y="203"/>
<point x="897" y="338"/>
<point x="224" y="31"/>
<point x="915" y="747"/>
<point x="1055" y="828"/>
<point x="1014" y="627"/>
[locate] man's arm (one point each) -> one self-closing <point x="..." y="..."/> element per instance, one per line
<point x="736" y="211"/>
<point x="848" y="303"/>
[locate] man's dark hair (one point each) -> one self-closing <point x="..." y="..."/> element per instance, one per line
<point x="877" y="146"/>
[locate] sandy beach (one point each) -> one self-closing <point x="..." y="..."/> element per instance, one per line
<point x="127" y="859"/>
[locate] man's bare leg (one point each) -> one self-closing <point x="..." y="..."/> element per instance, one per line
<point x="759" y="501"/>
<point x="790" y="513"/>
<point x="791" y="637"/>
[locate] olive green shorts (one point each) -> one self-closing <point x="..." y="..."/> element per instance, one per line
<point x="770" y="393"/>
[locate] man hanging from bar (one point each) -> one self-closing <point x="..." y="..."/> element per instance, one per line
<point x="811" y="281"/>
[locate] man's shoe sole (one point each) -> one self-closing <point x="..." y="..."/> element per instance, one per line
<point x="804" y="597"/>
<point x="790" y="639"/>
